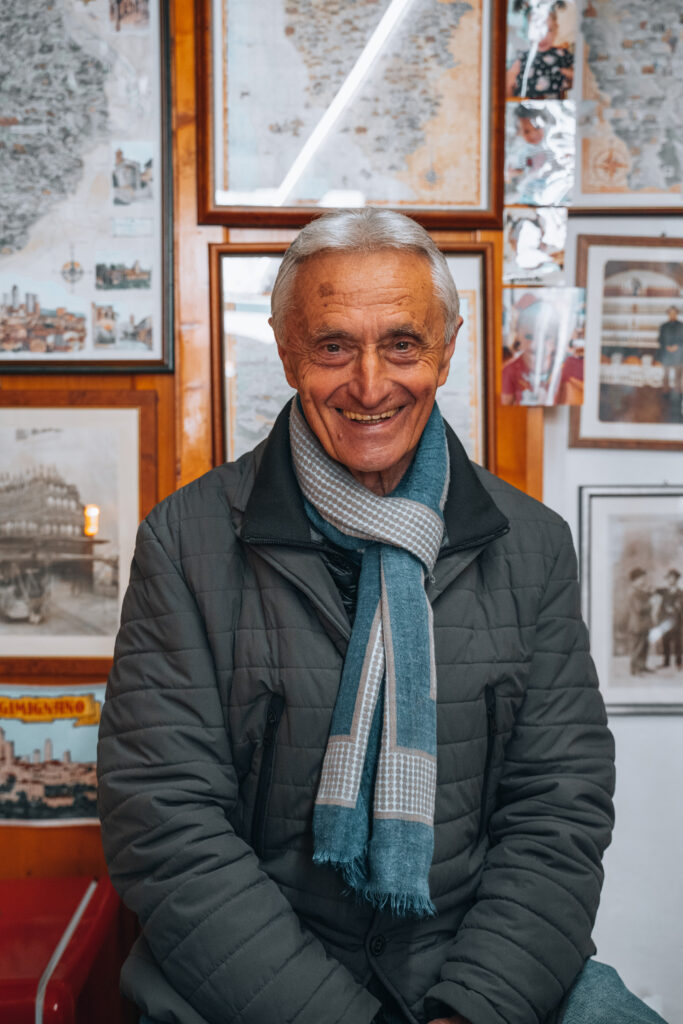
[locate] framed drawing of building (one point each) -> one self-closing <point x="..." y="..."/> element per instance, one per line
<point x="249" y="385"/>
<point x="85" y="199"/>
<point x="633" y="395"/>
<point x="631" y="543"/>
<point x="628" y="86"/>
<point x="394" y="104"/>
<point x="77" y="472"/>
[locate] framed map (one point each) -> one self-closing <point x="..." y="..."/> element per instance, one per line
<point x="392" y="103"/>
<point x="630" y="77"/>
<point x="85" y="192"/>
<point x="249" y="386"/>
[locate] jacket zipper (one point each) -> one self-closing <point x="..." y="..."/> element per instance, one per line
<point x="490" y="700"/>
<point x="276" y="706"/>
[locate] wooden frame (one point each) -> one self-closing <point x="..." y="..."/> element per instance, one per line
<point x="629" y="544"/>
<point x="116" y="256"/>
<point x="486" y="212"/>
<point x="484" y="346"/>
<point x="590" y="274"/>
<point x="47" y="668"/>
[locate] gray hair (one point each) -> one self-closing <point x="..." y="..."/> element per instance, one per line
<point x="365" y="230"/>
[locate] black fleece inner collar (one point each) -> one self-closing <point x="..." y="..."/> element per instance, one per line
<point x="275" y="511"/>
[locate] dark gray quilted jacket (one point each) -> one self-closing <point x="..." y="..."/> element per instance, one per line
<point x="212" y="737"/>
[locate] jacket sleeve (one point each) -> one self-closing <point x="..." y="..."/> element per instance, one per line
<point x="219" y="928"/>
<point x="524" y="940"/>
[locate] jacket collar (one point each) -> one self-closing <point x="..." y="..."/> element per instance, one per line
<point x="275" y="513"/>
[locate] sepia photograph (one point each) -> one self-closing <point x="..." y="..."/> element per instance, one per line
<point x="632" y="588"/>
<point x="48" y="749"/>
<point x="634" y="342"/>
<point x="69" y="501"/>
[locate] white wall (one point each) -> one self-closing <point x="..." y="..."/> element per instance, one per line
<point x="639" y="929"/>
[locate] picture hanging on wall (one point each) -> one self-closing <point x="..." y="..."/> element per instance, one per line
<point x="85" y="203"/>
<point x="542" y="359"/>
<point x="393" y="104"/>
<point x="77" y="471"/>
<point x="634" y="342"/>
<point x="629" y="79"/>
<point x="48" y="754"/>
<point x="541" y="38"/>
<point x="249" y="385"/>
<point x="631" y="542"/>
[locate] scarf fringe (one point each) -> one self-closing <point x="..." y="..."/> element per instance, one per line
<point x="355" y="873"/>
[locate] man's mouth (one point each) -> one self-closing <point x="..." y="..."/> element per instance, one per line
<point x="361" y="417"/>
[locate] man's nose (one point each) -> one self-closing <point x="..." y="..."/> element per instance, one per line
<point x="369" y="384"/>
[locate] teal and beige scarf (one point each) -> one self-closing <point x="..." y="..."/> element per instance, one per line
<point x="374" y="811"/>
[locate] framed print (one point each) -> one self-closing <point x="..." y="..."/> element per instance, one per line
<point x="628" y="80"/>
<point x="543" y="362"/>
<point x="77" y="472"/>
<point x="48" y="753"/>
<point x="631" y="541"/>
<point x="86" y="239"/>
<point x="249" y="386"/>
<point x="634" y="342"/>
<point x="391" y="104"/>
<point x="541" y="39"/>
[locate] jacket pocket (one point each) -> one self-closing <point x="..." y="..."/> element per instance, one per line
<point x="490" y="701"/>
<point x="276" y="706"/>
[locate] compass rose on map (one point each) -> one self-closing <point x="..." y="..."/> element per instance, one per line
<point x="609" y="163"/>
<point x="72" y="271"/>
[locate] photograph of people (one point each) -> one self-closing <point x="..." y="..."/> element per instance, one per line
<point x="544" y="67"/>
<point x="542" y="347"/>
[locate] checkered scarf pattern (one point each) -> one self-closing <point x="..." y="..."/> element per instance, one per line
<point x="374" y="811"/>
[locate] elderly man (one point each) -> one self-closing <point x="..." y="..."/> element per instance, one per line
<point x="354" y="763"/>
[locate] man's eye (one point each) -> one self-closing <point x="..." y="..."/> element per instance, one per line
<point x="403" y="345"/>
<point x="332" y="346"/>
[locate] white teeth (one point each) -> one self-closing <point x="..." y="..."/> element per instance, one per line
<point x="368" y="419"/>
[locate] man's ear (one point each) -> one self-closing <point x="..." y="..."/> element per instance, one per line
<point x="448" y="351"/>
<point x="286" y="360"/>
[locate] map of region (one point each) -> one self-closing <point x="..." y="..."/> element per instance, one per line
<point x="631" y="121"/>
<point x="410" y="134"/>
<point x="52" y="104"/>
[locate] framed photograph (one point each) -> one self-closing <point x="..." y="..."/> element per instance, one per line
<point x="249" y="386"/>
<point x="86" y="239"/>
<point x="628" y="80"/>
<point x="77" y="472"/>
<point x="391" y="104"/>
<point x="539" y="152"/>
<point x="542" y="359"/>
<point x="533" y="244"/>
<point x="634" y="343"/>
<point x="48" y="754"/>
<point x="541" y="40"/>
<point x="631" y="542"/>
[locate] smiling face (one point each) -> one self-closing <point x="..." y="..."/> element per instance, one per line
<point x="364" y="347"/>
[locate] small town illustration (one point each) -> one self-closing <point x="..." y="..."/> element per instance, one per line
<point x="26" y="326"/>
<point x="40" y="785"/>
